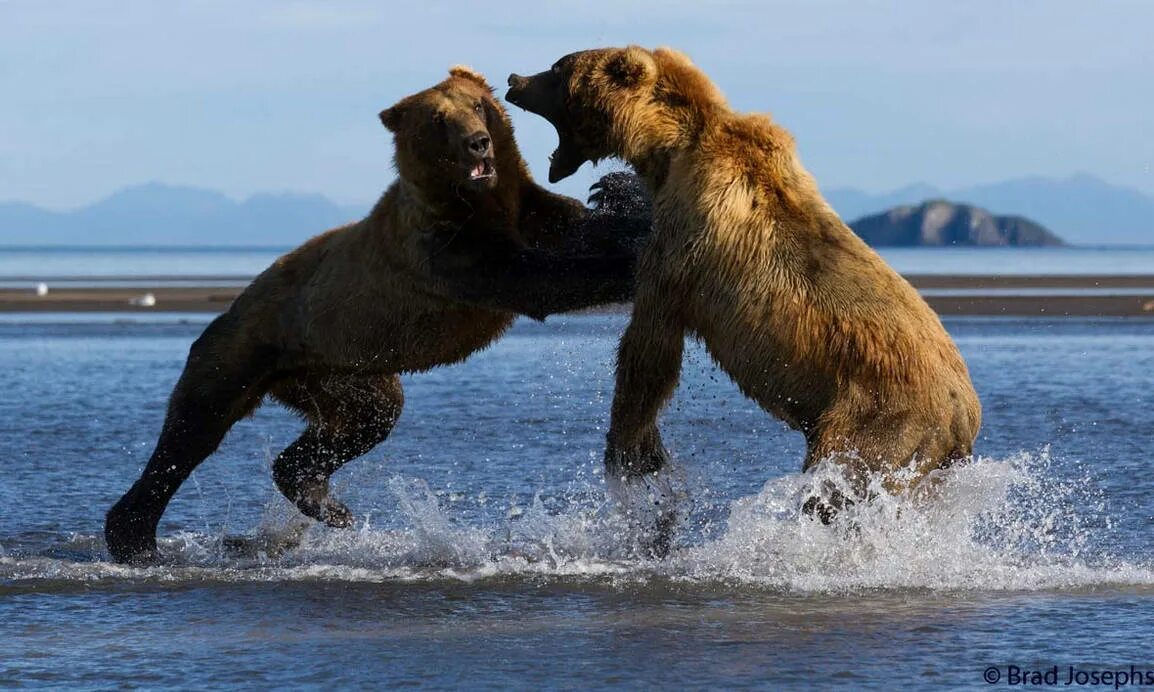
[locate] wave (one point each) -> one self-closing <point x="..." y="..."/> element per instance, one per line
<point x="992" y="525"/>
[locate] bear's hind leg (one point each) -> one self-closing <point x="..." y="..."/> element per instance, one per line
<point x="347" y="416"/>
<point x="212" y="394"/>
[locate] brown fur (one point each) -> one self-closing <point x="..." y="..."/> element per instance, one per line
<point x="747" y="256"/>
<point x="329" y="327"/>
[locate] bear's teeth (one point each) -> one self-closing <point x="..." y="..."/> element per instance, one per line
<point x="478" y="170"/>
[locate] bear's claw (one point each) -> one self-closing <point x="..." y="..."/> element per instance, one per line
<point x="621" y="193"/>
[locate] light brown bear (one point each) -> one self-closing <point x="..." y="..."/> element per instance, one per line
<point x="455" y="247"/>
<point x="749" y="258"/>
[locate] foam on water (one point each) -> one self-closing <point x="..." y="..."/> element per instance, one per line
<point x="990" y="525"/>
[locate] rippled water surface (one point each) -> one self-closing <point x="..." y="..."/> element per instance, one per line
<point x="486" y="553"/>
<point x="32" y="263"/>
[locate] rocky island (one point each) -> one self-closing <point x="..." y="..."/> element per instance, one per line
<point x="940" y="223"/>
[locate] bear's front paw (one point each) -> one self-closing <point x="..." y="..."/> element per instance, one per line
<point x="622" y="194"/>
<point x="631" y="461"/>
<point x="646" y="497"/>
<point x="825" y="506"/>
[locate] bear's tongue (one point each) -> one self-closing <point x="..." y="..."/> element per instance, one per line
<point x="482" y="170"/>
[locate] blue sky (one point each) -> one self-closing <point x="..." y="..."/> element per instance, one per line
<point x="258" y="95"/>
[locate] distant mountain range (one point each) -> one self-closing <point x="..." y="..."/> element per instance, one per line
<point x="1082" y="209"/>
<point x="939" y="223"/>
<point x="157" y="214"/>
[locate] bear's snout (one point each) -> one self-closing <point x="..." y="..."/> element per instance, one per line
<point x="518" y="86"/>
<point x="478" y="144"/>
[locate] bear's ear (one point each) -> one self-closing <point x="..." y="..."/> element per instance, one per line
<point x="632" y="66"/>
<point x="391" y="117"/>
<point x="674" y="55"/>
<point x="466" y="72"/>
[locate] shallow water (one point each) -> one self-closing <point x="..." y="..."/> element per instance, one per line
<point x="35" y="263"/>
<point x="487" y="554"/>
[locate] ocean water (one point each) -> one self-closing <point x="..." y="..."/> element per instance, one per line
<point x="486" y="553"/>
<point x="32" y="263"/>
<point x="48" y="262"/>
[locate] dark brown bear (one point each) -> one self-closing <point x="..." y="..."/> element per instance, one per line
<point x="462" y="241"/>
<point x="747" y="256"/>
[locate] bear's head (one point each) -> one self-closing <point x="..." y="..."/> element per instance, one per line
<point x="628" y="102"/>
<point x="453" y="137"/>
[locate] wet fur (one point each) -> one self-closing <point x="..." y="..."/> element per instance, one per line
<point x="747" y="256"/>
<point x="329" y="327"/>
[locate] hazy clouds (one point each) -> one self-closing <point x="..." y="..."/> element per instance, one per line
<point x="263" y="95"/>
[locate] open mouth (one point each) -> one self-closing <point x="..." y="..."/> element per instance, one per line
<point x="540" y="95"/>
<point x="483" y="170"/>
<point x="565" y="159"/>
<point x="568" y="156"/>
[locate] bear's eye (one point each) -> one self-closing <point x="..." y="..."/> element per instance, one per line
<point x="439" y="118"/>
<point x="478" y="108"/>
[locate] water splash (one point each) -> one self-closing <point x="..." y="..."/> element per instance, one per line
<point x="989" y="525"/>
<point x="1007" y="524"/>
